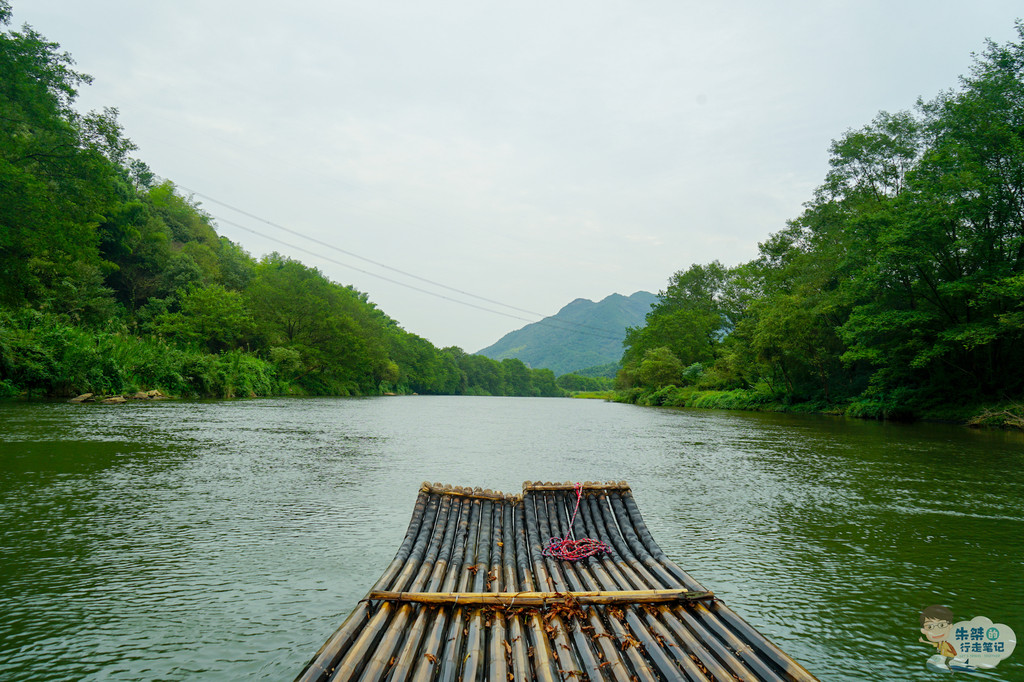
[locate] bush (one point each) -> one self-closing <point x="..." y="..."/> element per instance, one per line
<point x="44" y="354"/>
<point x="7" y="389"/>
<point x="576" y="382"/>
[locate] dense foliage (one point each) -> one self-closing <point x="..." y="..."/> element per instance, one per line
<point x="112" y="282"/>
<point x="898" y="291"/>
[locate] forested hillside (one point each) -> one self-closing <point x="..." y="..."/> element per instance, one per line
<point x="112" y="281"/>
<point x="898" y="292"/>
<point x="582" y="334"/>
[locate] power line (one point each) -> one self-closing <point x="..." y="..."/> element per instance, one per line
<point x="356" y="255"/>
<point x="546" y="321"/>
<point x="567" y="324"/>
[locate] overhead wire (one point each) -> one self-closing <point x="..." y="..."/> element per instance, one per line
<point x="565" y="323"/>
<point x="546" y="321"/>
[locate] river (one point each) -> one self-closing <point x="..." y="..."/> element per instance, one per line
<point x="224" y="540"/>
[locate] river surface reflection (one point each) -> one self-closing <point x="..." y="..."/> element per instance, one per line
<point x="227" y="540"/>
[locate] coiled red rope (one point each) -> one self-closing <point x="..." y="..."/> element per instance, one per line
<point x="569" y="548"/>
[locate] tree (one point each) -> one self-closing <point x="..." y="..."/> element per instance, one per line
<point x="58" y="174"/>
<point x="518" y="380"/>
<point x="483" y="375"/>
<point x="695" y="312"/>
<point x="543" y="384"/>
<point x="659" y="368"/>
<point x="952" y="244"/>
<point x="341" y="337"/>
<point x="210" y="316"/>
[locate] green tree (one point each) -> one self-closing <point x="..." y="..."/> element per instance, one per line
<point x="483" y="375"/>
<point x="543" y="384"/>
<point x="423" y="368"/>
<point x="211" y="316"/>
<point x="340" y="336"/>
<point x="659" y="367"/>
<point x="518" y="380"/>
<point x="575" y="382"/>
<point x="695" y="312"/>
<point x="58" y="176"/>
<point x="950" y="245"/>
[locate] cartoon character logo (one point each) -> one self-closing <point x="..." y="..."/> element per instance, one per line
<point x="966" y="646"/>
<point x="936" y="621"/>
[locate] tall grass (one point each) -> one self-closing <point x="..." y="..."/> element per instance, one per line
<point x="41" y="354"/>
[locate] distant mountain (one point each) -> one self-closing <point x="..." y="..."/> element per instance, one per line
<point x="581" y="335"/>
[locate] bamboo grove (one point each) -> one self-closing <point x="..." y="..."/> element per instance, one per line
<point x="111" y="281"/>
<point x="898" y="292"/>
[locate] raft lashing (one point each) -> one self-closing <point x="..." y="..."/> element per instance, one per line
<point x="470" y="595"/>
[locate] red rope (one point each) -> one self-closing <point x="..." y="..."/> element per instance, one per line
<point x="569" y="548"/>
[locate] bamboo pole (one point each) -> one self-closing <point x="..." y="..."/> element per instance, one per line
<point x="661" y="620"/>
<point x="585" y="658"/>
<point x="456" y="491"/>
<point x="696" y="637"/>
<point x="497" y="664"/>
<point x="554" y="510"/>
<point x="601" y="645"/>
<point x="756" y="645"/>
<point x="537" y="486"/>
<point x="456" y="533"/>
<point x="604" y="568"/>
<point x="535" y="599"/>
<point x="593" y="581"/>
<point x="515" y="648"/>
<point x="575" y="653"/>
<point x="749" y="651"/>
<point x="391" y="641"/>
<point x="763" y="644"/>
<point x="666" y="628"/>
<point x="544" y="667"/>
<point x="324" y="661"/>
<point x="354" y="659"/>
<point x="634" y="527"/>
<point x="451" y="660"/>
<point x="655" y="565"/>
<point x="436" y="561"/>
<point x="603" y="513"/>
<point x="473" y="663"/>
<point x="642" y="542"/>
<point x="599" y="656"/>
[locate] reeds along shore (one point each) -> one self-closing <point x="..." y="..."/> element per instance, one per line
<point x="487" y="604"/>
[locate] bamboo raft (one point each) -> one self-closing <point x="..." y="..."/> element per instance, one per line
<point x="470" y="595"/>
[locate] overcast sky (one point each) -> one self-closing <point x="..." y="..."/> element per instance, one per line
<point x="529" y="153"/>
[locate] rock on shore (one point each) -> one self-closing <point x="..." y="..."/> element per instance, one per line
<point x="155" y="394"/>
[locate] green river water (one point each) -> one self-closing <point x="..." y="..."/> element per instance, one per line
<point x="226" y="540"/>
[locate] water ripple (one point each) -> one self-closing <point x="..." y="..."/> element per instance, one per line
<point x="227" y="540"/>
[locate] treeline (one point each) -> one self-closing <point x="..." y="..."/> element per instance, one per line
<point x="112" y="282"/>
<point x="898" y="292"/>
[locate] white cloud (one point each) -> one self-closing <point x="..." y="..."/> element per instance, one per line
<point x="531" y="152"/>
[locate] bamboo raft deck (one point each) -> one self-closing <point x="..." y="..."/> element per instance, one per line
<point x="471" y="595"/>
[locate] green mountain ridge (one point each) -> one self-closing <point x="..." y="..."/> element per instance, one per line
<point x="580" y="335"/>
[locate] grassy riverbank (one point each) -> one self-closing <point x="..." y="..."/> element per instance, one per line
<point x="48" y="355"/>
<point x="595" y="395"/>
<point x="43" y="357"/>
<point x="761" y="399"/>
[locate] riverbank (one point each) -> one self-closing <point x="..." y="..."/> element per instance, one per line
<point x="48" y="355"/>
<point x="1002" y="415"/>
